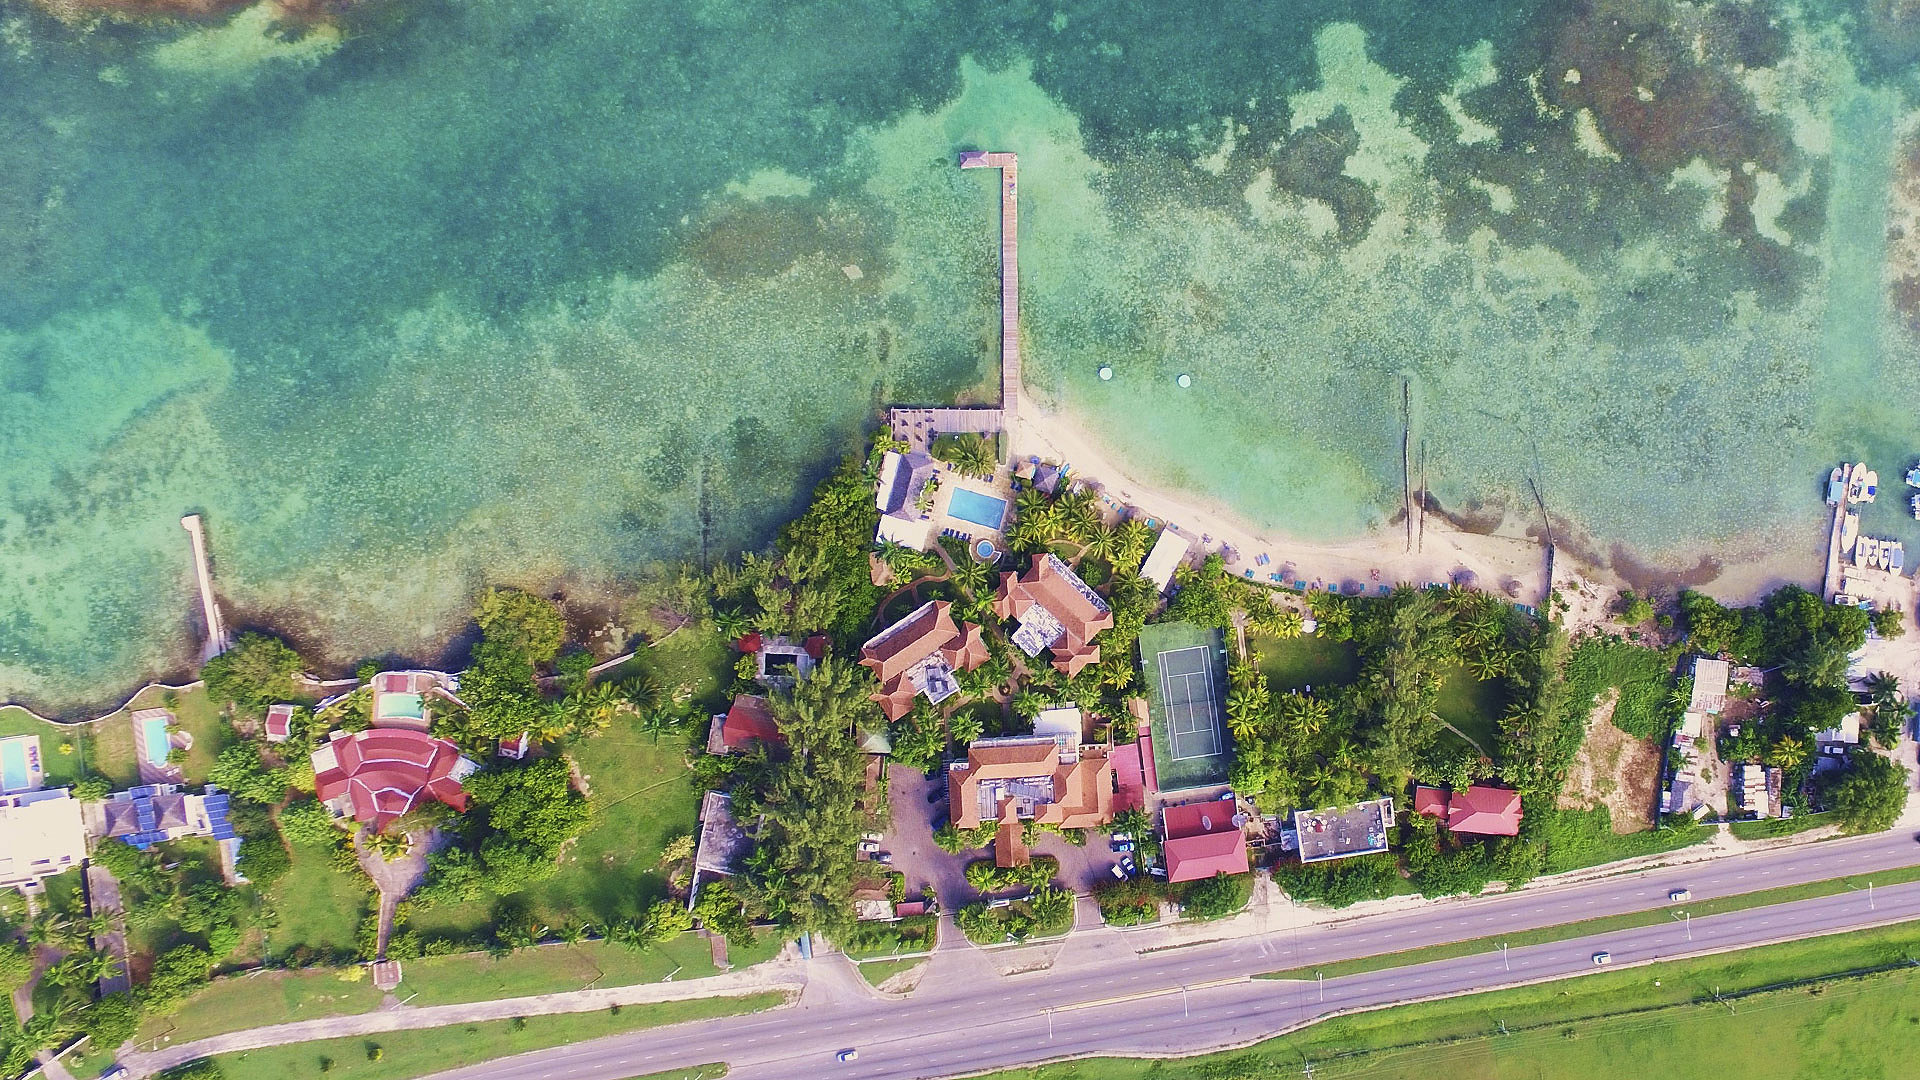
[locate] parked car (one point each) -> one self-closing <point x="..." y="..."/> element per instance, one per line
<point x="884" y="858"/>
<point x="1124" y="845"/>
<point x="1602" y="959"/>
<point x="1126" y="863"/>
<point x="1118" y="873"/>
<point x="1120" y="836"/>
<point x="872" y="837"/>
<point x="1680" y="896"/>
<point x="868" y="848"/>
<point x="849" y="1054"/>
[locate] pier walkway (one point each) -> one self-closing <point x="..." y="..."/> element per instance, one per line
<point x="1831" y="586"/>
<point x="1009" y="166"/>
<point x="218" y="641"/>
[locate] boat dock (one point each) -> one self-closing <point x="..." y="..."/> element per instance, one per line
<point x="218" y="641"/>
<point x="1009" y="165"/>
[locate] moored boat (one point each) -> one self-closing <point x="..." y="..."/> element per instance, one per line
<point x="1916" y="507"/>
<point x="1837" y="484"/>
<point x="1850" y="529"/>
<point x="1857" y="482"/>
<point x="1896" y="557"/>
<point x="1872" y="486"/>
<point x="1913" y="476"/>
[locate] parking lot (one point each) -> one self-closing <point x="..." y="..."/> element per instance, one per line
<point x="920" y="806"/>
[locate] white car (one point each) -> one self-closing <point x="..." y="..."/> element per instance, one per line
<point x="1602" y="959"/>
<point x="849" y="1054"/>
<point x="1679" y="896"/>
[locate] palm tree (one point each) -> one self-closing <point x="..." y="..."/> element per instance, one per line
<point x="1101" y="544"/>
<point x="1132" y="538"/>
<point x="731" y="624"/>
<point x="1243" y="725"/>
<point x="971" y="455"/>
<point x="1079" y="514"/>
<point x="1787" y="754"/>
<point x="642" y="692"/>
<point x="972" y="576"/>
<point x="963" y="728"/>
<point x="1030" y="534"/>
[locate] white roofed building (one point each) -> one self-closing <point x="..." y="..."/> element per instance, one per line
<point x="1167" y="554"/>
<point x="41" y="834"/>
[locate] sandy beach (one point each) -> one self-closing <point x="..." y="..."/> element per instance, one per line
<point x="1504" y="562"/>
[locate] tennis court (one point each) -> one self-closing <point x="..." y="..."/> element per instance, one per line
<point x="1186" y="669"/>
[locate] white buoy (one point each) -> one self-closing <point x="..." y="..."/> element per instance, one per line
<point x="1184" y="380"/>
<point x="1106" y="373"/>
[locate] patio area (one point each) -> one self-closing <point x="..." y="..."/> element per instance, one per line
<point x="155" y="737"/>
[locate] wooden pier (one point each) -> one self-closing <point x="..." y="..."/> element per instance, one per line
<point x="1009" y="166"/>
<point x="217" y="639"/>
<point x="1830" y="587"/>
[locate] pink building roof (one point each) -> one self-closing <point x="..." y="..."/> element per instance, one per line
<point x="381" y="773"/>
<point x="279" y="723"/>
<point x="1129" y="778"/>
<point x="1484" y="811"/>
<point x="749" y="720"/>
<point x="1202" y="841"/>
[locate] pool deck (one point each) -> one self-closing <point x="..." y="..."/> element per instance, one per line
<point x="153" y="772"/>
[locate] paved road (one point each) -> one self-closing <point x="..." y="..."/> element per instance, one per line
<point x="1113" y="1001"/>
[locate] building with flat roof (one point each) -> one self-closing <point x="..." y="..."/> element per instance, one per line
<point x="1203" y="839"/>
<point x="1056" y="611"/>
<point x="1029" y="778"/>
<point x="376" y="776"/>
<point x="1709" y="685"/>
<point x="41" y="834"/>
<point x="1168" y="553"/>
<point x="918" y="656"/>
<point x="1338" y="833"/>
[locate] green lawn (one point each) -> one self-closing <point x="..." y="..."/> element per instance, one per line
<point x="1768" y="828"/>
<point x="276" y="997"/>
<point x="1308" y="660"/>
<point x="406" y="1054"/>
<point x="319" y="907"/>
<point x="879" y="971"/>
<point x="1474" y="706"/>
<point x="445" y="980"/>
<point x="1562" y="1028"/>
<point x="642" y="796"/>
<point x="1581" y="838"/>
<point x="912" y="934"/>
<point x="60" y="768"/>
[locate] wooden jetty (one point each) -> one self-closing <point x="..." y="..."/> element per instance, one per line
<point x="218" y="640"/>
<point x="1832" y="585"/>
<point x="1009" y="166"/>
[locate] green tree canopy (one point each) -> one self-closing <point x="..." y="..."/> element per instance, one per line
<point x="532" y="625"/>
<point x="1872" y="795"/>
<point x="258" y="671"/>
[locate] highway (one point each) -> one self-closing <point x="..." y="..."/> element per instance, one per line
<point x="1101" y="997"/>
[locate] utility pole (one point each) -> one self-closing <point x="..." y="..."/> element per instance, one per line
<point x="1320" y="979"/>
<point x="1049" y="1025"/>
<point x="1183" y="1002"/>
<point x="1503" y="956"/>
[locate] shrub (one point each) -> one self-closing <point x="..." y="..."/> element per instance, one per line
<point x="258" y="671"/>
<point x="1134" y="902"/>
<point x="1342" y="883"/>
<point x="1218" y="896"/>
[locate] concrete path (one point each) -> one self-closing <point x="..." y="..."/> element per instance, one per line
<point x="394" y="880"/>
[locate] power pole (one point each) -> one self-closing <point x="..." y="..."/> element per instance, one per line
<point x="1503" y="956"/>
<point x="1320" y="978"/>
<point x="1184" y="1011"/>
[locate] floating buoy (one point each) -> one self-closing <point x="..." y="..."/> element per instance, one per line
<point x="1184" y="380"/>
<point x="1106" y="373"/>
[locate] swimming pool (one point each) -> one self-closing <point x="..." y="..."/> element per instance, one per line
<point x="400" y="707"/>
<point x="14" y="774"/>
<point x="977" y="508"/>
<point x="153" y="731"/>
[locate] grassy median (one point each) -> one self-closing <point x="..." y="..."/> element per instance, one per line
<point x="1603" y="925"/>
<point x="1792" y="1010"/>
<point x="397" y="1055"/>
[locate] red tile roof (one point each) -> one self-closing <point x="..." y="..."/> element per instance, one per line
<point x="749" y="642"/>
<point x="929" y="630"/>
<point x="748" y="720"/>
<point x="279" y="722"/>
<point x="1129" y="778"/>
<point x="1484" y="811"/>
<point x="1191" y="858"/>
<point x="382" y="773"/>
<point x="1431" y="801"/>
<point x="1054" y="586"/>
<point x="1200" y="819"/>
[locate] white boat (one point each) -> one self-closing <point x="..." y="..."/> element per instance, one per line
<point x="1866" y="553"/>
<point x="1837" y="485"/>
<point x="1916" y="507"/>
<point x="1872" y="488"/>
<point x="1850" y="530"/>
<point x="1896" y="557"/>
<point x="1913" y="476"/>
<point x="1857" y="482"/>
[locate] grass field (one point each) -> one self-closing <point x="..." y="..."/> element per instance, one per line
<point x="1658" y="1020"/>
<point x="1474" y="706"/>
<point x="1308" y="660"/>
<point x="60" y="768"/>
<point x="1581" y="838"/>
<point x="1768" y="828"/>
<point x="318" y="906"/>
<point x="276" y="997"/>
<point x="879" y="971"/>
<point x="406" y="1054"/>
<point x="642" y="796"/>
<point x="1606" y="924"/>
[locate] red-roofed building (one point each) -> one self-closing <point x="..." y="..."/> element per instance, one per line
<point x="279" y="723"/>
<point x="746" y="722"/>
<point x="1129" y="777"/>
<point x="918" y="656"/>
<point x="749" y="642"/>
<point x="1202" y="840"/>
<point x="377" y="775"/>
<point x="1478" y="811"/>
<point x="1056" y="611"/>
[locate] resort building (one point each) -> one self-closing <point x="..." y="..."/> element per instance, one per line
<point x="919" y="654"/>
<point x="1168" y="553"/>
<point x="1056" y="611"/>
<point x="1340" y="833"/>
<point x="904" y="500"/>
<point x="1203" y="839"/>
<point x="403" y="699"/>
<point x="1029" y="778"/>
<point x="1478" y="811"/>
<point x="377" y="775"/>
<point x="279" y="723"/>
<point x="780" y="663"/>
<point x="156" y="813"/>
<point x="40" y="835"/>
<point x="746" y="722"/>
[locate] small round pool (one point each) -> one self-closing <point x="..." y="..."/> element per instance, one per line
<point x="983" y="550"/>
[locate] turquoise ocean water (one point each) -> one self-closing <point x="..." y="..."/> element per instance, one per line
<point x="444" y="293"/>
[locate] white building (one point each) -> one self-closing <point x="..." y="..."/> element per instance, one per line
<point x="41" y="835"/>
<point x="1168" y="553"/>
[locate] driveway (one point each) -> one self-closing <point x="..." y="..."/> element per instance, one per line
<point x="103" y="898"/>
<point x="916" y="856"/>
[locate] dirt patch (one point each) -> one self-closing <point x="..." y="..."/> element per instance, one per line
<point x="1615" y="770"/>
<point x="905" y="982"/>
